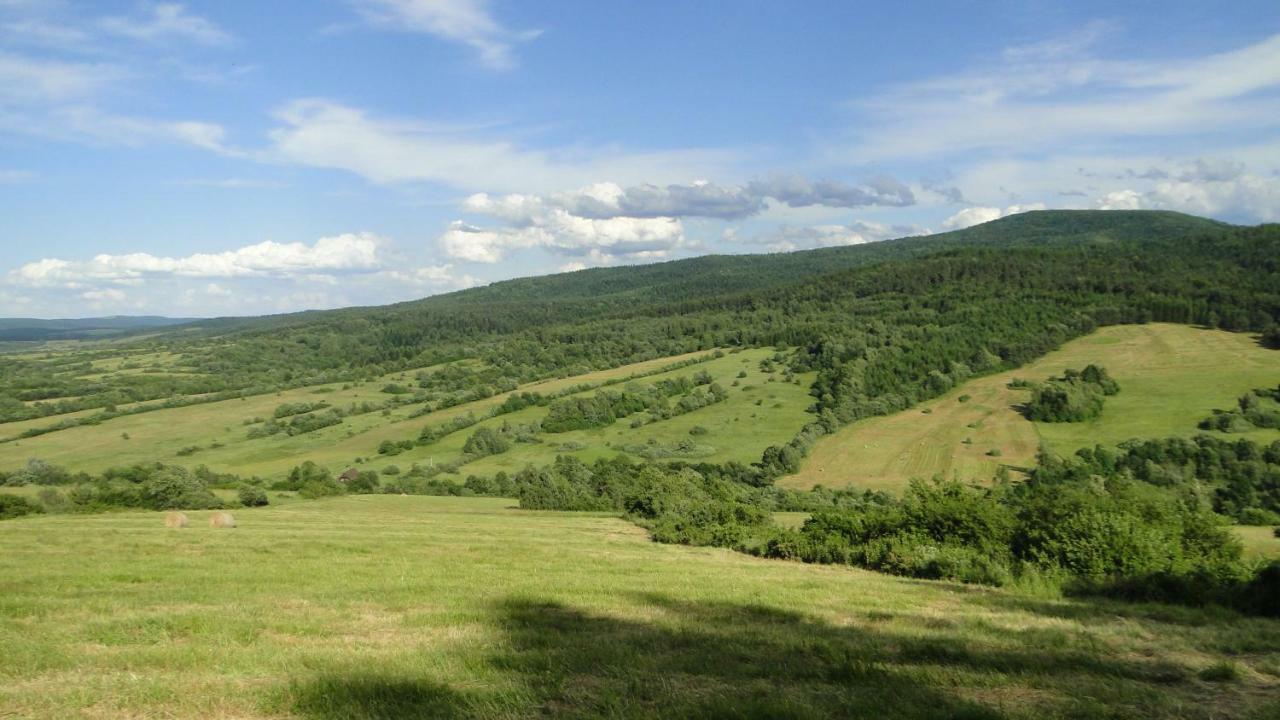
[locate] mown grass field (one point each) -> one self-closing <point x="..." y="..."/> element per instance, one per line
<point x="759" y="412"/>
<point x="1171" y="377"/>
<point x="1260" y="541"/>
<point x="411" y="607"/>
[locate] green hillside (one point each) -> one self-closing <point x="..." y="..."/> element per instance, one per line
<point x="1171" y="378"/>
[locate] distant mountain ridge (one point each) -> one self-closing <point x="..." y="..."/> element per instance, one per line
<point x="36" y="329"/>
<point x="689" y="279"/>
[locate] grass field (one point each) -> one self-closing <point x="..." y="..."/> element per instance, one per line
<point x="757" y="414"/>
<point x="1171" y="377"/>
<point x="413" y="607"/>
<point x="1260" y="541"/>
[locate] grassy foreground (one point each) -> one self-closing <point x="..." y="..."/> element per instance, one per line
<point x="1171" y="377"/>
<point x="399" y="607"/>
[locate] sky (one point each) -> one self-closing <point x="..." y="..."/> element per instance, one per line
<point x="244" y="157"/>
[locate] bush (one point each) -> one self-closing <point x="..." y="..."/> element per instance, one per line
<point x="1258" y="516"/>
<point x="175" y="488"/>
<point x="486" y="441"/>
<point x="321" y="487"/>
<point x="252" y="496"/>
<point x="13" y="506"/>
<point x="366" y="481"/>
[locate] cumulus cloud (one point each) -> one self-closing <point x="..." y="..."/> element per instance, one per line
<point x="726" y="202"/>
<point x="1223" y="190"/>
<point x="466" y="21"/>
<point x="563" y="233"/>
<point x="645" y="221"/>
<point x="971" y="216"/>
<point x="167" y="22"/>
<point x="352" y="252"/>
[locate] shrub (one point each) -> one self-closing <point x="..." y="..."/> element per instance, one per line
<point x="252" y="496"/>
<point x="175" y="488"/>
<point x="13" y="506"/>
<point x="1258" y="516"/>
<point x="366" y="481"/>
<point x="486" y="441"/>
<point x="321" y="487"/>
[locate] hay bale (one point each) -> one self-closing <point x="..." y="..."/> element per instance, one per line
<point x="175" y="520"/>
<point x="222" y="520"/>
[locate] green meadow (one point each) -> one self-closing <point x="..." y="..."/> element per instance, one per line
<point x="425" y="607"/>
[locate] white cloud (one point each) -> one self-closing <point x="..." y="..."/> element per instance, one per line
<point x="26" y="81"/>
<point x="466" y="21"/>
<point x="968" y="217"/>
<point x="786" y="238"/>
<point x="106" y="295"/>
<point x="352" y="252"/>
<point x="1055" y="93"/>
<point x="167" y="22"/>
<point x="432" y="276"/>
<point x="15" y="177"/>
<point x="564" y="233"/>
<point x="1120" y="200"/>
<point x="322" y="133"/>
<point x="1240" y="195"/>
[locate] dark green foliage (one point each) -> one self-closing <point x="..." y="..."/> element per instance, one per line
<point x="430" y="433"/>
<point x="1232" y="476"/>
<point x="39" y="472"/>
<point x="252" y="496"/>
<point x="486" y="441"/>
<point x="1074" y="397"/>
<point x="365" y="481"/>
<point x="174" y="488"/>
<point x="13" y="506"/>
<point x="288" y="409"/>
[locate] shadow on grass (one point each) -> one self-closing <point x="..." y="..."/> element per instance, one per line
<point x="670" y="658"/>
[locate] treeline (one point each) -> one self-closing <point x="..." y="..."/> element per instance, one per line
<point x="146" y="486"/>
<point x="606" y="407"/>
<point x="1115" y="535"/>
<point x="1236" y="478"/>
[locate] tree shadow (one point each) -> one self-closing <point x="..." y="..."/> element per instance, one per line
<point x="670" y="658"/>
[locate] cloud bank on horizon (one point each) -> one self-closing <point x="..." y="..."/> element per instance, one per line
<point x="234" y="158"/>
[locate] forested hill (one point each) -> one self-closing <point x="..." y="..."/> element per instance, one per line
<point x="702" y="278"/>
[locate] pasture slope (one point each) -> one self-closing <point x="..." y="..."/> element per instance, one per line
<point x="415" y="607"/>
<point x="1171" y="377"/>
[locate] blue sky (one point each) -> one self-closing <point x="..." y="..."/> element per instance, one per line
<point x="228" y="157"/>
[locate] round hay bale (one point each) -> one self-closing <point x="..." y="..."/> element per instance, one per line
<point x="222" y="520"/>
<point x="175" y="520"/>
